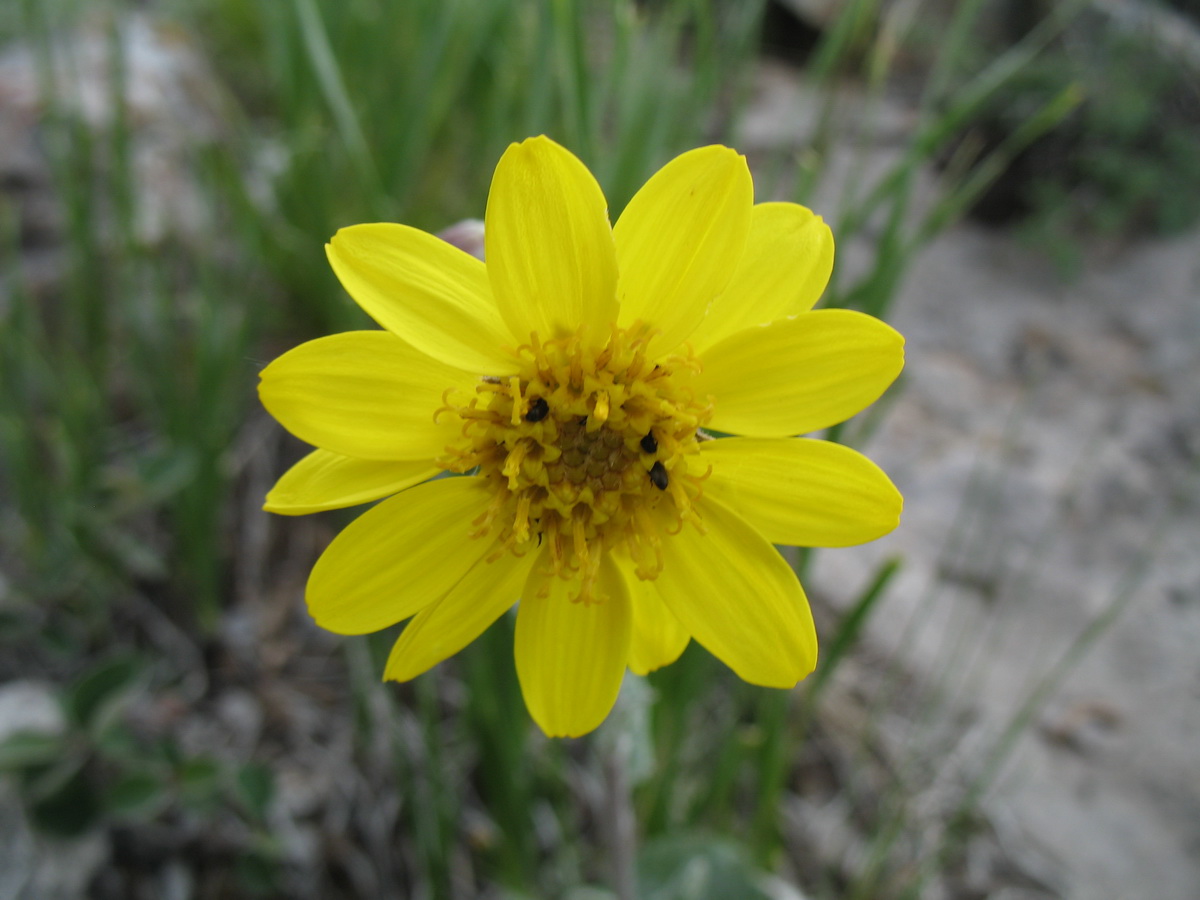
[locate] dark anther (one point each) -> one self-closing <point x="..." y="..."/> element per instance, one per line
<point x="649" y="444"/>
<point x="538" y="411"/>
<point x="658" y="475"/>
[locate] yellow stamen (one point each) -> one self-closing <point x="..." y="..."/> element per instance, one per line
<point x="574" y="474"/>
<point x="514" y="385"/>
<point x="599" y="412"/>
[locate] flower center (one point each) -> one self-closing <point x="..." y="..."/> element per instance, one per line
<point x="586" y="450"/>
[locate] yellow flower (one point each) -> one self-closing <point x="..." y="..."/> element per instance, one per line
<point x="570" y="379"/>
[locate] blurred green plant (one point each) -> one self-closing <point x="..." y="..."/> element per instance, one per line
<point x="95" y="769"/>
<point x="1122" y="164"/>
<point x="888" y="204"/>
<point x="398" y="111"/>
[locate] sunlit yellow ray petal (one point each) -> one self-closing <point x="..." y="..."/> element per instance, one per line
<point x="548" y="243"/>
<point x="571" y="656"/>
<point x="366" y="394"/>
<point x="398" y="557"/>
<point x="427" y="292"/>
<point x="680" y="239"/>
<point x="799" y="375"/>
<point x="442" y="629"/>
<point x="802" y="492"/>
<point x="788" y="259"/>
<point x="740" y="599"/>
<point x="657" y="638"/>
<point x="324" y="480"/>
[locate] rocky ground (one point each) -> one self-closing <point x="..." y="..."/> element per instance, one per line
<point x="1047" y="439"/>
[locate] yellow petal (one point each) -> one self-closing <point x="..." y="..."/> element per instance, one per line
<point x="783" y="272"/>
<point x="398" y="557"/>
<point x="324" y="480"/>
<point x="798" y="375"/>
<point x="738" y="598"/>
<point x="441" y="630"/>
<point x="571" y="656"/>
<point x="366" y="394"/>
<point x="548" y="243"/>
<point x="679" y="241"/>
<point x="431" y="294"/>
<point x="802" y="492"/>
<point x="657" y="638"/>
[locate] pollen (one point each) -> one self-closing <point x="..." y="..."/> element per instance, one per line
<point x="585" y="450"/>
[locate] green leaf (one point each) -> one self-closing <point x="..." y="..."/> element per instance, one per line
<point x="199" y="774"/>
<point x="94" y="700"/>
<point x="199" y="782"/>
<point x="255" y="786"/>
<point x="41" y="781"/>
<point x="163" y="473"/>
<point x="696" y="867"/>
<point x="135" y="795"/>
<point x="258" y="873"/>
<point x="24" y="749"/>
<point x="69" y="810"/>
<point x="119" y="744"/>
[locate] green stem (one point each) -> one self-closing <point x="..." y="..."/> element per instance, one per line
<point x="620" y="821"/>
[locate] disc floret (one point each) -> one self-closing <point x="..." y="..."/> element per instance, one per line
<point x="585" y="449"/>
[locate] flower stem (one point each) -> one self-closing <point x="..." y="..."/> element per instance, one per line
<point x="621" y="824"/>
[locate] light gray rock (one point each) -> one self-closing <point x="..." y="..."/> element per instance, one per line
<point x="170" y="105"/>
<point x="1045" y="441"/>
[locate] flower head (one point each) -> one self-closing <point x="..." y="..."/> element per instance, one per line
<point x="571" y="380"/>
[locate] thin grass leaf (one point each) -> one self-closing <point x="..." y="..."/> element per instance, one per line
<point x="333" y="88"/>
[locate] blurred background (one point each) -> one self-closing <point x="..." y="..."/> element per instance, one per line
<point x="1007" y="703"/>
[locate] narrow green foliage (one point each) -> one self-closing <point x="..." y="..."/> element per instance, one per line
<point x="946" y="112"/>
<point x="493" y="704"/>
<point x="850" y="630"/>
